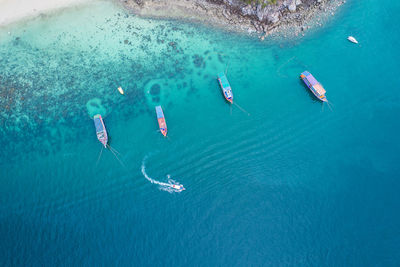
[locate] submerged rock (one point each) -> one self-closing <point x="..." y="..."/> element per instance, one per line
<point x="155" y="89"/>
<point x="273" y="17"/>
<point x="198" y="61"/>
<point x="94" y="106"/>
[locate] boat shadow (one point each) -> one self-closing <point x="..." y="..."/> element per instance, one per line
<point x="109" y="140"/>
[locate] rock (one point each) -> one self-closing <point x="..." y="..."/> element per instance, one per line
<point x="273" y="17"/>
<point x="247" y="10"/>
<point x="155" y="89"/>
<point x="258" y="16"/>
<point x="225" y="14"/>
<point x="139" y="2"/>
<point x="292" y="7"/>
<point x="250" y="30"/>
<point x="261" y="12"/>
<point x="290" y="4"/>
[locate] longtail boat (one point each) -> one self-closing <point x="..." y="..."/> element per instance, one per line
<point x="314" y="86"/>
<point x="161" y="120"/>
<point x="101" y="131"/>
<point x="225" y="87"/>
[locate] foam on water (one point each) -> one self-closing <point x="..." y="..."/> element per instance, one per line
<point x="169" y="187"/>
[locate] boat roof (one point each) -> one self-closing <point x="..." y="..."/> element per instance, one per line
<point x="224" y="80"/>
<point x="159" y="112"/>
<point x="98" y="124"/>
<point x="320" y="90"/>
<point x="310" y="78"/>
<point x="314" y="83"/>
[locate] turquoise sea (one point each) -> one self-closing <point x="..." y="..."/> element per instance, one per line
<point x="295" y="183"/>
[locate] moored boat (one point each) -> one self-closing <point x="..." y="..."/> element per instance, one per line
<point x="120" y="90"/>
<point x="161" y="120"/>
<point x="101" y="131"/>
<point x="352" y="39"/>
<point x="314" y="86"/>
<point x="225" y="87"/>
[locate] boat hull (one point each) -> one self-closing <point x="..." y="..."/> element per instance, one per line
<point x="120" y="90"/>
<point x="163" y="126"/>
<point x="161" y="121"/>
<point x="352" y="39"/>
<point x="310" y="87"/>
<point x="323" y="99"/>
<point x="101" y="131"/>
<point x="225" y="92"/>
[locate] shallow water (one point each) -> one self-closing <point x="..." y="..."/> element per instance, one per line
<point x="294" y="183"/>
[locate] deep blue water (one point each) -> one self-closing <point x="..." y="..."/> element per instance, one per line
<point x="293" y="184"/>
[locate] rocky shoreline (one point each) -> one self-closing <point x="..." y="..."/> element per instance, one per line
<point x="262" y="18"/>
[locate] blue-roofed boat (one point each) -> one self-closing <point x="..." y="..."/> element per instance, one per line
<point x="314" y="86"/>
<point x="225" y="87"/>
<point x="161" y="120"/>
<point x="101" y="131"/>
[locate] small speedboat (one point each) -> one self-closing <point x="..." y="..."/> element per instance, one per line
<point x="178" y="187"/>
<point x="161" y="120"/>
<point x="120" y="90"/>
<point x="101" y="131"/>
<point x="314" y="86"/>
<point x="225" y="87"/>
<point x="352" y="39"/>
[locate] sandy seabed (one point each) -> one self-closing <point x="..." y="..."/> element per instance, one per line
<point x="14" y="10"/>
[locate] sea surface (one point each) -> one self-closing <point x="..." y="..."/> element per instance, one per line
<point x="285" y="182"/>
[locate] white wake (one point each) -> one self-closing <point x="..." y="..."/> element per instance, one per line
<point x="171" y="186"/>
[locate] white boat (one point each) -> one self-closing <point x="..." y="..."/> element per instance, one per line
<point x="120" y="90"/>
<point x="178" y="187"/>
<point x="352" y="39"/>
